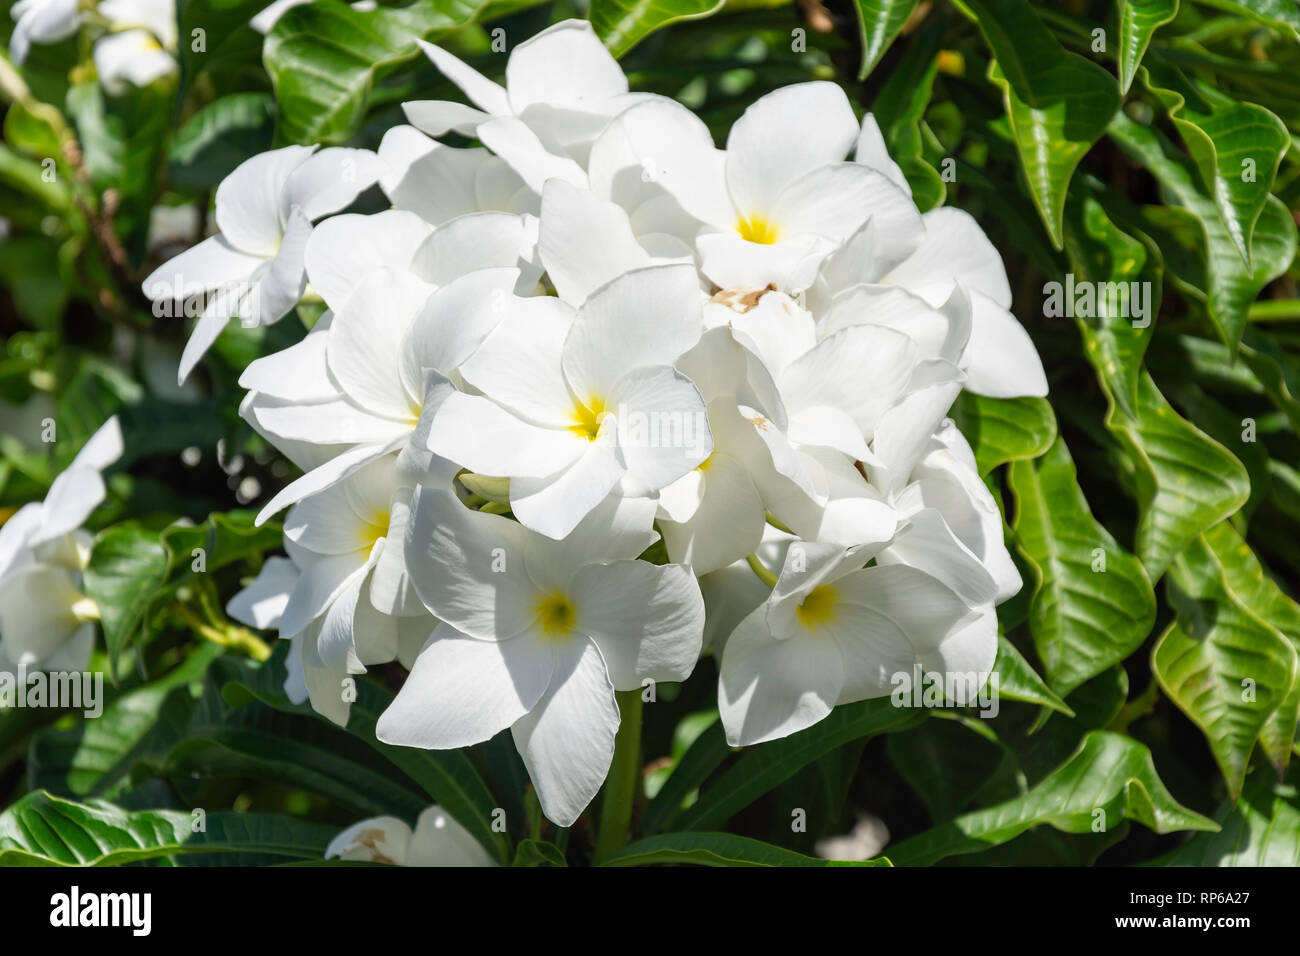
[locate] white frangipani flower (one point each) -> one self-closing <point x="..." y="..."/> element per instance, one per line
<point x="363" y="381"/>
<point x="780" y="197"/>
<point x="440" y="182"/>
<point x="131" y="58"/>
<point x="538" y="635"/>
<point x="579" y="406"/>
<point x="41" y="21"/>
<point x="437" y="840"/>
<point x="255" y="265"/>
<point x="45" y="620"/>
<point x="835" y="632"/>
<point x="562" y="87"/>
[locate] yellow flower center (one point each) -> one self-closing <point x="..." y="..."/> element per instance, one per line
<point x="587" y="417"/>
<point x="374" y="529"/>
<point x="556" y="616"/>
<point x="818" y="607"/>
<point x="756" y="228"/>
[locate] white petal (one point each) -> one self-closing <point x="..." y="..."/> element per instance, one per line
<point x="452" y="324"/>
<point x="770" y="688"/>
<point x="330" y="180"/>
<point x="520" y="363"/>
<point x="437" y="117"/>
<point x="554" y="504"/>
<point x="367" y="342"/>
<point x="296" y="374"/>
<point x="782" y="136"/>
<point x="249" y="203"/>
<point x="262" y="603"/>
<point x="567" y="741"/>
<point x="345" y="249"/>
<point x="585" y="241"/>
<point x="481" y="240"/>
<point x="647" y="620"/>
<point x="955" y="249"/>
<point x="662" y="143"/>
<point x="1000" y="359"/>
<point x="482" y="92"/>
<point x="513" y="141"/>
<point x="565" y="65"/>
<point x="834" y="201"/>
<point x="871" y="151"/>
<point x="482" y="436"/>
<point x="440" y="841"/>
<point x="663" y="426"/>
<point x="464" y="691"/>
<point x="469" y="567"/>
<point x="644" y="318"/>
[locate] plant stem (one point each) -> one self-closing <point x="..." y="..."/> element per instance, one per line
<point x="1275" y="310"/>
<point x="764" y="575"/>
<point x="624" y="777"/>
<point x="238" y="638"/>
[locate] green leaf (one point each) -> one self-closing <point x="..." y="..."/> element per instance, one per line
<point x="1111" y="260"/>
<point x="1138" y="20"/>
<point x="899" y="109"/>
<point x="1093" y="604"/>
<point x="718" y="849"/>
<point x="1262" y="828"/>
<point x="765" y="766"/>
<point x="1226" y="668"/>
<point x="1017" y="680"/>
<point x="1226" y="138"/>
<point x="1110" y="778"/>
<point x="448" y="777"/>
<point x="133" y="569"/>
<point x="41" y="830"/>
<point x="878" y="23"/>
<point x="1228" y="284"/>
<point x="1276" y="13"/>
<point x="325" y="58"/>
<point x="538" y="853"/>
<point x="946" y="763"/>
<point x="705" y="754"/>
<point x="94" y="757"/>
<point x="1246" y="578"/>
<point x="1186" y="481"/>
<point x="1057" y="102"/>
<point x="216" y="139"/>
<point x="1005" y="429"/>
<point x="127" y="566"/>
<point x="622" y="24"/>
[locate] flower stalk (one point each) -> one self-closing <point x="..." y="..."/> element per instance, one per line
<point x="624" y="781"/>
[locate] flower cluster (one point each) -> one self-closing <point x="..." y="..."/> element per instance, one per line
<point x="598" y="397"/>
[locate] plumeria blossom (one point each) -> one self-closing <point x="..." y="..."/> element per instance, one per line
<point x="343" y="597"/>
<point x="833" y="632"/>
<point x="41" y="21"/>
<point x="576" y="406"/>
<point x="141" y="46"/>
<point x="562" y="87"/>
<point x="537" y="635"/>
<point x="781" y="196"/>
<point x="254" y="268"/>
<point x="339" y="386"/>
<point x="593" y="339"/>
<point x="45" y="620"/>
<point x="437" y="840"/>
